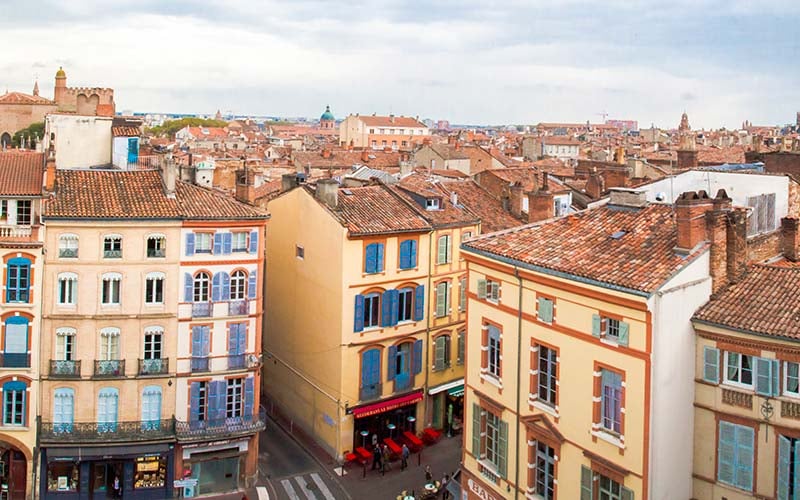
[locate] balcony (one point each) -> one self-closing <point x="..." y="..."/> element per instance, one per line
<point x="221" y="429"/>
<point x="109" y="368"/>
<point x="736" y="398"/>
<point x="62" y="368"/>
<point x="68" y="253"/>
<point x="790" y="409"/>
<point x="96" y="432"/>
<point x="237" y="361"/>
<point x="156" y="253"/>
<point x="19" y="232"/>
<point x="112" y="254"/>
<point x="370" y="392"/>
<point x="202" y="309"/>
<point x="238" y="308"/>
<point x="15" y="360"/>
<point x="153" y="366"/>
<point x="200" y="364"/>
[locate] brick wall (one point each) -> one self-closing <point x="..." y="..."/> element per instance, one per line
<point x="787" y="163"/>
<point x="765" y="246"/>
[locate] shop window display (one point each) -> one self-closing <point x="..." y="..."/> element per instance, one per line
<point x="62" y="476"/>
<point x="151" y="472"/>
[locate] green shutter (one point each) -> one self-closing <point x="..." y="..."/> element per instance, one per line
<point x="726" y="451"/>
<point x="776" y="385"/>
<point x="711" y="364"/>
<point x="481" y="289"/>
<point x="623" y="333"/>
<point x="441" y="299"/>
<point x="763" y="376"/>
<point x="441" y="257"/>
<point x="545" y="310"/>
<point x="596" y="325"/>
<point x="502" y="450"/>
<point x="784" y="461"/>
<point x="476" y="431"/>
<point x="586" y="483"/>
<point x="438" y="363"/>
<point x="627" y="494"/>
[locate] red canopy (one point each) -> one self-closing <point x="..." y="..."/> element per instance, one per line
<point x="390" y="404"/>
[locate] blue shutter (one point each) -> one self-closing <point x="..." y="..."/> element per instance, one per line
<point x="253" y="241"/>
<point x="225" y="289"/>
<point x="744" y="457"/>
<point x="784" y="451"/>
<point x="217" y="243"/>
<point x="205" y="335"/>
<point x="242" y="338"/>
<point x="371" y="258"/>
<point x="380" y="257"/>
<point x="212" y="404"/>
<point x="188" y="288"/>
<point x="227" y="243"/>
<point x="370" y="367"/>
<point x="197" y="341"/>
<point x="194" y="402"/>
<point x="189" y="244"/>
<point x="386" y="308"/>
<point x="726" y="452"/>
<point x="392" y="362"/>
<point x="711" y="364"/>
<point x="596" y="325"/>
<point x="394" y="296"/>
<point x="358" y="320"/>
<point x="413" y="253"/>
<point x="249" y="397"/>
<point x="233" y="338"/>
<point x="419" y="303"/>
<point x="623" y="333"/>
<point x="776" y="385"/>
<point x="763" y="376"/>
<point x="417" y="356"/>
<point x="251" y="285"/>
<point x="404" y="254"/>
<point x="216" y="287"/>
<point x="133" y="149"/>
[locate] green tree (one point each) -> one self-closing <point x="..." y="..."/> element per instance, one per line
<point x="169" y="127"/>
<point x="34" y="132"/>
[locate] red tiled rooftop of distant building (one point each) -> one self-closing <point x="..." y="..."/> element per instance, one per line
<point x="21" y="173"/>
<point x="391" y="121"/>
<point x="489" y="210"/>
<point x="20" y="98"/>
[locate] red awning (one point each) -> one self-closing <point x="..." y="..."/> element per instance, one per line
<point x="391" y="404"/>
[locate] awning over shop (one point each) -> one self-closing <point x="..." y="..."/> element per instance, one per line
<point x="449" y="386"/>
<point x="456" y="391"/>
<point x="390" y="404"/>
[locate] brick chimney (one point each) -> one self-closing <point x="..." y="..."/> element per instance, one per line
<point x="169" y="174"/>
<point x="595" y="184"/>
<point x="716" y="230"/>
<point x="790" y="238"/>
<point x="620" y="155"/>
<point x="328" y="192"/>
<point x="515" y="200"/>
<point x="245" y="186"/>
<point x="690" y="209"/>
<point x="326" y="153"/>
<point x="364" y="156"/>
<point x="737" y="244"/>
<point x="288" y="181"/>
<point x="540" y="203"/>
<point x="50" y="172"/>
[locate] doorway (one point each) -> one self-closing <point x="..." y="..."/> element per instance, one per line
<point x="103" y="476"/>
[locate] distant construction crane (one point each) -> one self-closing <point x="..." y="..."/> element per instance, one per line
<point x="603" y="114"/>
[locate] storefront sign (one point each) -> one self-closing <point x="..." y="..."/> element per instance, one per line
<point x="480" y="491"/>
<point x="182" y="483"/>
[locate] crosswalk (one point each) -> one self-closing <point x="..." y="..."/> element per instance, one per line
<point x="307" y="487"/>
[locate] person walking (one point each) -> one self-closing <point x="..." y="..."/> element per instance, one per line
<point x="404" y="453"/>
<point x="376" y="458"/>
<point x="428" y="475"/>
<point x="445" y="493"/>
<point x="387" y="456"/>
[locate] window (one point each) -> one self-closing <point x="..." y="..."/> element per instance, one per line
<point x="405" y="304"/>
<point x="112" y="247"/>
<point x="237" y="345"/>
<point x="735" y="455"/>
<point x="791" y="384"/>
<point x="18" y="281"/>
<point x="111" y="289"/>
<point x="489" y="289"/>
<point x="370" y="374"/>
<point x="408" y="254"/>
<point x="788" y="468"/>
<point x="403" y="361"/>
<point x="373" y="261"/>
<point x="611" y="401"/>
<point x="711" y="364"/>
<point x="383" y="143"/>
<point x="489" y="439"/>
<point x="63" y="409"/>
<point x="462" y="294"/>
<point x="68" y="246"/>
<point x="239" y="242"/>
<point x="65" y="344"/>
<point x="154" y="288"/>
<point x="466" y="235"/>
<point x="299" y="252"/>
<point x="14" y="403"/>
<point x="739" y="368"/>
<point x="109" y="344"/>
<point x="432" y="204"/>
<point x="545" y="310"/>
<point x="404" y="143"/>
<point x="493" y="348"/>
<point x="492" y="438"/>
<point x="15" y="350"/>
<point x="200" y="288"/>
<point x="611" y="329"/>
<point x="609" y="489"/>
<point x="67" y="289"/>
<point x="24" y="212"/>
<point x="198" y="410"/>
<point x="441" y="353"/>
<point x="443" y="249"/>
<point x="371" y="310"/>
<point x="762" y="217"/>
<point x="234" y="398"/>
<point x="544" y="471"/>
<point x="202" y="242"/>
<point x="151" y="407"/>
<point x="442" y="299"/>
<point x="107" y="404"/>
<point x="547" y="375"/>
<point x="238" y="285"/>
<point x="156" y="246"/>
<point x="460" y="347"/>
<point x="372" y="131"/>
<point x="153" y="342"/>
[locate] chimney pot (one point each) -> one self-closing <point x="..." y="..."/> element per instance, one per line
<point x="540" y="205"/>
<point x="328" y="192"/>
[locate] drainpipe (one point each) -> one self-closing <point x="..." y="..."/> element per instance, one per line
<point x="519" y="378"/>
<point x="428" y="328"/>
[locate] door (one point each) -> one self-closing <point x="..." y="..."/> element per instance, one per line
<point x="107" y="403"/>
<point x="151" y="408"/>
<point x="17" y="474"/>
<point x="133" y="149"/>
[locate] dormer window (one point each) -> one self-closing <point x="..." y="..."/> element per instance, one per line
<point x="432" y="204"/>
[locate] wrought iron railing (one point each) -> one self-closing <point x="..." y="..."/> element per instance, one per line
<point x="76" y="432"/>
<point x="112" y="254"/>
<point x="153" y="366"/>
<point x="68" y="253"/>
<point x="202" y="429"/>
<point x="156" y="252"/>
<point x="237" y="361"/>
<point x="109" y="368"/>
<point x="200" y="364"/>
<point x="15" y="360"/>
<point x="202" y="309"/>
<point x="369" y="392"/>
<point x="62" y="368"/>
<point x="238" y="308"/>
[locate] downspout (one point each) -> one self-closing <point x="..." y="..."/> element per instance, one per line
<point x="428" y="327"/>
<point x="519" y="380"/>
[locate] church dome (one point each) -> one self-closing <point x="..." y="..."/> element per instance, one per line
<point x="327" y="115"/>
<point x="61" y="73"/>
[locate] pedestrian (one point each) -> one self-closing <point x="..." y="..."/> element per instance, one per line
<point x="376" y="458"/>
<point x="428" y="475"/>
<point x="374" y="440"/>
<point x="117" y="488"/>
<point x="404" y="457"/>
<point x="387" y="455"/>
<point x="445" y="493"/>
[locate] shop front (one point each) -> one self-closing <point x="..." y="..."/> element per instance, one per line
<point x="217" y="467"/>
<point x="473" y="488"/>
<point x="385" y="419"/>
<point x="13" y="472"/>
<point x="107" y="472"/>
<point x="447" y="406"/>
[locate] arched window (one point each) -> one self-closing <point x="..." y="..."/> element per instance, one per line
<point x="112" y="246"/>
<point x="67" y="289"/>
<point x="151" y="407"/>
<point x="14" y="400"/>
<point x="65" y="343"/>
<point x="370" y="374"/>
<point x="238" y="285"/>
<point x="200" y="289"/>
<point x="405" y="304"/>
<point x="109" y="343"/>
<point x="68" y="246"/>
<point x="107" y="405"/>
<point x="111" y="289"/>
<point x="63" y="409"/>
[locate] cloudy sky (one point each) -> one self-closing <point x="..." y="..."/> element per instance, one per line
<point x="477" y="62"/>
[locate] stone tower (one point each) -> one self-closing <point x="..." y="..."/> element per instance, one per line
<point x="61" y="86"/>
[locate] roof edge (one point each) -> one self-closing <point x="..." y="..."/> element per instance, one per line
<point x="745" y="331"/>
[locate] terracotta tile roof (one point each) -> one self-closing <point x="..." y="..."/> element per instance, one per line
<point x="391" y="121"/>
<point x="764" y="302"/>
<point x="449" y="152"/>
<point x="125" y="131"/>
<point x="113" y="194"/>
<point x="581" y="244"/>
<point x="21" y="173"/>
<point x="375" y="210"/>
<point x="20" y="98"/>
<point x="478" y="201"/>
<point x="346" y="159"/>
<point x="269" y="189"/>
<point x="560" y="140"/>
<point x="417" y="188"/>
<point x="208" y="132"/>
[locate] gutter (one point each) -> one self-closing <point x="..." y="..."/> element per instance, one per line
<point x="745" y="331"/>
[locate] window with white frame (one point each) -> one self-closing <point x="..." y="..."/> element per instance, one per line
<point x="544" y="470"/>
<point x="112" y="246"/>
<point x="109" y="344"/>
<point x="65" y="344"/>
<point x="791" y="382"/>
<point x="156" y="245"/>
<point x="405" y="304"/>
<point x="494" y="348"/>
<point x="238" y="285"/>
<point x="611" y="401"/>
<point x="200" y="287"/>
<point x="239" y="241"/>
<point x="547" y="380"/>
<point x="492" y="290"/>
<point x="738" y="368"/>
<point x="154" y="288"/>
<point x="610" y="329"/>
<point x="202" y="242"/>
<point x="111" y="285"/>
<point x="68" y="246"/>
<point x="14" y="403"/>
<point x="67" y="289"/>
<point x="372" y="310"/>
<point x="24" y="213"/>
<point x="235" y="398"/>
<point x="444" y="249"/>
<point x="153" y="337"/>
<point x="495" y="446"/>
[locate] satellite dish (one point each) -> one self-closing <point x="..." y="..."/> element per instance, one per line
<point x="661" y="196"/>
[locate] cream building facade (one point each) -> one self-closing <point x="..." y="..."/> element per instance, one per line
<point x="382" y="132"/>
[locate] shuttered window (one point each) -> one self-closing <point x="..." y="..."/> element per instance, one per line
<point x="441" y="352"/>
<point x="611" y="401"/>
<point x="442" y="299"/>
<point x="373" y="258"/>
<point x="762" y="216"/>
<point x="711" y="364"/>
<point x="444" y="249"/>
<point x="408" y="254"/>
<point x="545" y="310"/>
<point x="735" y="455"/>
